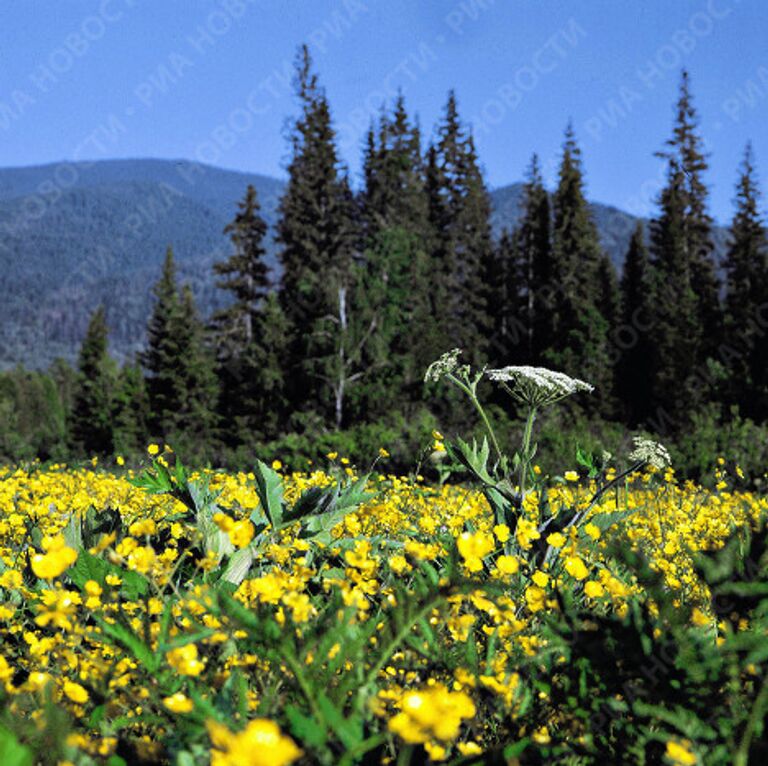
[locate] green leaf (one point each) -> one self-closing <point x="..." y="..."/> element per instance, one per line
<point x="123" y="634"/>
<point x="269" y="488"/>
<point x="305" y="728"/>
<point x="12" y="752"/>
<point x="238" y="566"/>
<point x="90" y="567"/>
<point x="348" y="730"/>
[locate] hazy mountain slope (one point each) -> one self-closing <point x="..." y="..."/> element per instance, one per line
<point x="75" y="235"/>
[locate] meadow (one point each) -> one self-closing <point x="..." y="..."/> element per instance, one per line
<point x="343" y="615"/>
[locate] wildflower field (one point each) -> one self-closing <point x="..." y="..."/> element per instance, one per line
<point x="164" y="615"/>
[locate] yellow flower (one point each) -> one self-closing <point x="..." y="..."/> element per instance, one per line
<point x="56" y="559"/>
<point x="276" y="465"/>
<point x="153" y="449"/>
<point x="120" y="460"/>
<point x="592" y="530"/>
<point x="474" y="547"/>
<point x="260" y="744"/>
<point x="178" y="703"/>
<point x="594" y="589"/>
<point x="383" y="453"/>
<point x="502" y="532"/>
<point x="680" y="754"/>
<point x="576" y="568"/>
<point x="75" y="692"/>
<point x="431" y="714"/>
<point x="556" y="540"/>
<point x="571" y="476"/>
<point x="541" y="579"/>
<point x="185" y="660"/>
<point x="507" y="565"/>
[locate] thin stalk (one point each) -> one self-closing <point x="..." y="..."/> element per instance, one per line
<point x="470" y="392"/>
<point x="756" y="715"/>
<point x="525" y="463"/>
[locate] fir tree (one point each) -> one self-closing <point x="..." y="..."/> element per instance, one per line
<point x="394" y="194"/>
<point x="460" y="210"/>
<point x="91" y="420"/>
<point x="745" y="349"/>
<point x="131" y="411"/>
<point x="631" y="336"/>
<point x="317" y="232"/>
<point x="580" y="331"/>
<point x="244" y="274"/>
<point x="163" y="351"/>
<point x="538" y="272"/>
<point x="238" y="328"/>
<point x="676" y="327"/>
<point x="182" y="383"/>
<point x="685" y="147"/>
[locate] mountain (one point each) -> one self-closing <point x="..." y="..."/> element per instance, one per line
<point x="73" y="235"/>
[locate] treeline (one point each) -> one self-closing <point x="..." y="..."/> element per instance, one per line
<point x="376" y="283"/>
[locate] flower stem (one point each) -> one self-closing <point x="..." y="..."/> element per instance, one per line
<point x="525" y="462"/>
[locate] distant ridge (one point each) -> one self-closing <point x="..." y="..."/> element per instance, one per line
<point x="73" y="235"/>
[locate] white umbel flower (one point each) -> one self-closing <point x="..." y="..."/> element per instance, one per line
<point x="445" y="365"/>
<point x="649" y="451"/>
<point x="537" y="386"/>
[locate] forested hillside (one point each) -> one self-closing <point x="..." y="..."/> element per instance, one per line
<point x="73" y="236"/>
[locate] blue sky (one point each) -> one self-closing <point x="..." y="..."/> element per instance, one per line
<point x="207" y="80"/>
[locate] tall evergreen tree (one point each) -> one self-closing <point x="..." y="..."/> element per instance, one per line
<point x="244" y="274"/>
<point x="580" y="331"/>
<point x="460" y="211"/>
<point x="317" y="231"/>
<point x="686" y="149"/>
<point x="91" y="420"/>
<point x="182" y="383"/>
<point x="631" y="336"/>
<point x="239" y="329"/>
<point x="745" y="348"/>
<point x="538" y="272"/>
<point x="505" y="289"/>
<point x="131" y="413"/>
<point x="394" y="193"/>
<point x="163" y="350"/>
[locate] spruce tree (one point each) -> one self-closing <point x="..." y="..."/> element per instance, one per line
<point x="182" y="383"/>
<point x="676" y="326"/>
<point x="538" y="273"/>
<point x="505" y="290"/>
<point x="579" y="344"/>
<point x="745" y="349"/>
<point x="238" y="328"/>
<point x="131" y="413"/>
<point x="163" y="350"/>
<point x="91" y="419"/>
<point x="317" y="232"/>
<point x="244" y="274"/>
<point x="631" y="337"/>
<point x="460" y="208"/>
<point x="686" y="147"/>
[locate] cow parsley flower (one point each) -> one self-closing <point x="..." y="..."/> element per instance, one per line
<point x="651" y="452"/>
<point x="447" y="364"/>
<point x="537" y="386"/>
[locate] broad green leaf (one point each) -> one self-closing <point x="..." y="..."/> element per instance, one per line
<point x="269" y="488"/>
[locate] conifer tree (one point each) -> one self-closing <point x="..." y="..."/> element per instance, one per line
<point x="394" y="194"/>
<point x="244" y="274"/>
<point x="163" y="350"/>
<point x="460" y="210"/>
<point x="676" y="327"/>
<point x="131" y="413"/>
<point x="538" y="273"/>
<point x="91" y="420"/>
<point x="239" y="329"/>
<point x="631" y="336"/>
<point x="579" y="344"/>
<point x="745" y="348"/>
<point x="686" y="148"/>
<point x="182" y="383"/>
<point x="317" y="231"/>
<point x="505" y="289"/>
